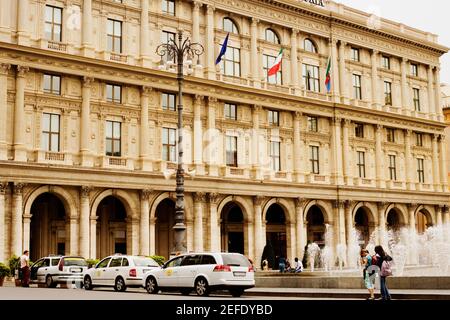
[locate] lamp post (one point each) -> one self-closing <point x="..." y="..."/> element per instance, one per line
<point x="182" y="53"/>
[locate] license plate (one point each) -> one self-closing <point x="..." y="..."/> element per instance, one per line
<point x="239" y="273"/>
<point x="76" y="270"/>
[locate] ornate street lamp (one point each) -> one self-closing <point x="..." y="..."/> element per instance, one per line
<point x="180" y="53"/>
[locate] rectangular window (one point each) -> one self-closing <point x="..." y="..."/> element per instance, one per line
<point x="311" y="78"/>
<point x="416" y="99"/>
<point x="355" y="55"/>
<point x="392" y="168"/>
<point x="421" y="170"/>
<point x="231" y="62"/>
<point x="113" y="138"/>
<point x="359" y="130"/>
<point x="314" y="159"/>
<point x="52" y="84"/>
<point x="231" y="147"/>
<point x="168" y="7"/>
<point x="386" y="62"/>
<point x="168" y="101"/>
<point x="53" y="23"/>
<point x="50" y="132"/>
<point x="362" y="164"/>
<point x="113" y="93"/>
<point x="312" y="124"/>
<point x="275" y="155"/>
<point x="114" y="35"/>
<point x="357" y="87"/>
<point x="390" y="134"/>
<point x="387" y="93"/>
<point x="414" y="70"/>
<point x="169" y="144"/>
<point x="274" y="119"/>
<point x="419" y="139"/>
<point x="166" y="38"/>
<point x="268" y="62"/>
<point x="229" y="111"/>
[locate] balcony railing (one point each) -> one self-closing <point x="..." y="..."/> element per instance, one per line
<point x="117" y="57"/>
<point x="117" y="161"/>
<point x="54" y="156"/>
<point x="236" y="171"/>
<point x="172" y="165"/>
<point x="319" y="178"/>
<point x="57" y="46"/>
<point x="280" y="175"/>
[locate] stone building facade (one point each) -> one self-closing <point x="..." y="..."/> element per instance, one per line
<point x="88" y="126"/>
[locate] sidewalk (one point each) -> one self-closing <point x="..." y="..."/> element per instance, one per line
<point x="347" y="293"/>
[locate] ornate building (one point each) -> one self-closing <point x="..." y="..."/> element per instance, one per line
<point x="88" y="126"/>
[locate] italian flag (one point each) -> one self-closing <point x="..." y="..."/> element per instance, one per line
<point x="277" y="64"/>
<point x="328" y="76"/>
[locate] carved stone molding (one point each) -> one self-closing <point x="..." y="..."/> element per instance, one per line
<point x="199" y="196"/>
<point x="3" y="187"/>
<point x="213" y="197"/>
<point x="258" y="200"/>
<point x="87" y="81"/>
<point x="146" y="90"/>
<point x="4" y="68"/>
<point x="145" y="194"/>
<point x="21" y="71"/>
<point x="18" y="188"/>
<point x="85" y="191"/>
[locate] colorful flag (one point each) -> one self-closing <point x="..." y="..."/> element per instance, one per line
<point x="223" y="50"/>
<point x="277" y="64"/>
<point x="328" y="76"/>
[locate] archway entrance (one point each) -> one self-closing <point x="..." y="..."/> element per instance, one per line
<point x="276" y="230"/>
<point x="111" y="227"/>
<point x="48" y="233"/>
<point x="393" y="220"/>
<point x="165" y="220"/>
<point x="422" y="223"/>
<point x="362" y="226"/>
<point x="232" y="228"/>
<point x="315" y="226"/>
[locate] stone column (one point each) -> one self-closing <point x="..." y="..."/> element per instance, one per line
<point x="146" y="162"/>
<point x="87" y="45"/>
<point x="135" y="222"/>
<point x="413" y="257"/>
<point x="256" y="161"/>
<point x="348" y="174"/>
<point x="337" y="150"/>
<point x="300" y="231"/>
<point x="5" y="22"/>
<point x="212" y="143"/>
<point x="73" y="231"/>
<point x="214" y="230"/>
<point x="379" y="155"/>
<point x="145" y="38"/>
<point x="298" y="149"/>
<point x="254" y="52"/>
<point x="341" y="223"/>
<point x="152" y="233"/>
<point x="26" y="231"/>
<point x="375" y="86"/>
<point x="342" y="72"/>
<point x="4" y="68"/>
<point x="437" y="91"/>
<point x="349" y="226"/>
<point x="443" y="163"/>
<point x="259" y="244"/>
<point x="199" y="199"/>
<point x="23" y="23"/>
<point x="436" y="176"/>
<point x="84" y="221"/>
<point x="334" y="71"/>
<point x="196" y="5"/>
<point x="410" y="185"/>
<point x="406" y="104"/>
<point x="295" y="76"/>
<point x="382" y="223"/>
<point x="198" y="135"/>
<point x="20" y="153"/>
<point x="85" y="128"/>
<point x="431" y="104"/>
<point x="144" y="247"/>
<point x="93" y="237"/>
<point x="210" y="44"/>
<point x="3" y="236"/>
<point x="439" y="216"/>
<point x="16" y="221"/>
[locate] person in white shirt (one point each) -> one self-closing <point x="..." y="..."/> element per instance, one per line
<point x="25" y="268"/>
<point x="298" y="266"/>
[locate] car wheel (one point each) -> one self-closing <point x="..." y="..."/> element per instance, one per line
<point x="87" y="283"/>
<point x="119" y="285"/>
<point x="201" y="287"/>
<point x="151" y="286"/>
<point x="185" y="292"/>
<point x="49" y="282"/>
<point x="236" y="292"/>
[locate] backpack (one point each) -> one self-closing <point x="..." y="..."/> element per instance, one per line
<point x="386" y="268"/>
<point x="374" y="260"/>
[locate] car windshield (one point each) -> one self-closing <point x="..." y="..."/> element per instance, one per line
<point x="236" y="260"/>
<point x="145" y="262"/>
<point x="80" y="262"/>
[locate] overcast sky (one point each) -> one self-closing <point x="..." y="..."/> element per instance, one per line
<point x="432" y="16"/>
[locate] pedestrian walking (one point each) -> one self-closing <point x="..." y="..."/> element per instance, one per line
<point x="25" y="268"/>
<point x="386" y="259"/>
<point x="366" y="262"/>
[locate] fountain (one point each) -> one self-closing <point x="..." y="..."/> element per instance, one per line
<point x="341" y="250"/>
<point x="313" y="252"/>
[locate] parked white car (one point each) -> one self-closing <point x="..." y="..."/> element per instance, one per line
<point x="53" y="270"/>
<point x="202" y="272"/>
<point x="119" y="271"/>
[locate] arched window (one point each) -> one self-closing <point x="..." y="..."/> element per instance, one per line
<point x="309" y="46"/>
<point x="271" y="36"/>
<point x="230" y="26"/>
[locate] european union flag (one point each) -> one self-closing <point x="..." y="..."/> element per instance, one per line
<point x="223" y="50"/>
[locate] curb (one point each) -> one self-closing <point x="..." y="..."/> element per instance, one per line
<point x="359" y="296"/>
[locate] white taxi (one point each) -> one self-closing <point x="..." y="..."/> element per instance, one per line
<point x="119" y="271"/>
<point x="202" y="272"/>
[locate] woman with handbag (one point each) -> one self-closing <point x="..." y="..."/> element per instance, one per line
<point x="385" y="271"/>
